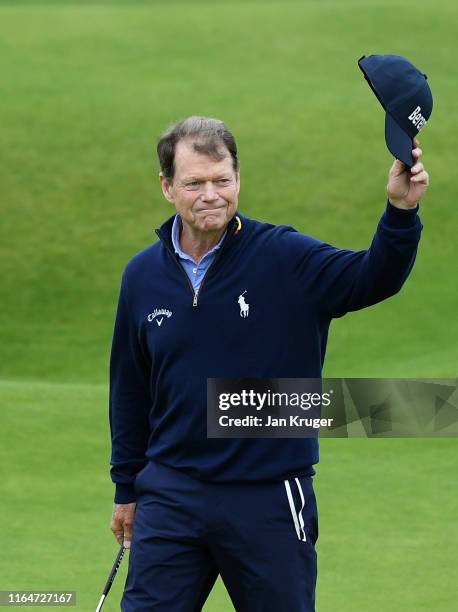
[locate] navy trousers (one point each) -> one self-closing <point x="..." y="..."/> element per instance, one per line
<point x="259" y="537"/>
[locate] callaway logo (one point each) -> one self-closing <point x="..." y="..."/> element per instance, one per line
<point x="417" y="118"/>
<point x="159" y="312"/>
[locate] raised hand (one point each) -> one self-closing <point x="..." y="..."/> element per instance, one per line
<point x="406" y="186"/>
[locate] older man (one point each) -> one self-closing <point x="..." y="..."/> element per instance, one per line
<point x="242" y="508"/>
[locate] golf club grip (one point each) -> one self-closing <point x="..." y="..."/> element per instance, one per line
<point x="114" y="569"/>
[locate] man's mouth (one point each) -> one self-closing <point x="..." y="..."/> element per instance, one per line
<point x="211" y="210"/>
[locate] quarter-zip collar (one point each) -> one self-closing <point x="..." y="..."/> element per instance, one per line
<point x="164" y="232"/>
<point x="235" y="226"/>
<point x="176" y="228"/>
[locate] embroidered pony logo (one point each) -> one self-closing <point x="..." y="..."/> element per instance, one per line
<point x="244" y="307"/>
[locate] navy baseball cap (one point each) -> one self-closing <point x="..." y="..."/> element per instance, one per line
<point x="404" y="93"/>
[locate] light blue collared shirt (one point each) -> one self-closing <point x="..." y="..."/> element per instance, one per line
<point x="195" y="271"/>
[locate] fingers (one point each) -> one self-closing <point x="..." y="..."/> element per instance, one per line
<point x="421" y="177"/>
<point x="121" y="523"/>
<point x="117" y="529"/>
<point x="127" y="532"/>
<point x="123" y="534"/>
<point x="418" y="167"/>
<point x="397" y="168"/>
<point x="417" y="171"/>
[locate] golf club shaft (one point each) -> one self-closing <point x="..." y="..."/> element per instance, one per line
<point x="111" y="577"/>
<point x="100" y="604"/>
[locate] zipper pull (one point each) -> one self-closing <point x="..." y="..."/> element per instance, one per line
<point x="194" y="302"/>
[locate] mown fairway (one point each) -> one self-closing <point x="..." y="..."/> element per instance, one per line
<point x="86" y="89"/>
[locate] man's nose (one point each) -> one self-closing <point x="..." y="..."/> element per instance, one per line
<point x="209" y="192"/>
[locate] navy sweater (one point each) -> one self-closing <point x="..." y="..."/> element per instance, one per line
<point x="168" y="341"/>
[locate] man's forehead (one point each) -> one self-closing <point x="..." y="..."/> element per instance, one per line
<point x="188" y="161"/>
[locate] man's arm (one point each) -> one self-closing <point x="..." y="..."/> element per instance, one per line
<point x="338" y="281"/>
<point x="393" y="250"/>
<point x="128" y="412"/>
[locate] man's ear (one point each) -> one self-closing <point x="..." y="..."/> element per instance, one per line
<point x="238" y="182"/>
<point x="166" y="185"/>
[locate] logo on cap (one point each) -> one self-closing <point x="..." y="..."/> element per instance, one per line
<point x="417" y="118"/>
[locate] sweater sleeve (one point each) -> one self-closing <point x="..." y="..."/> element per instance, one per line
<point x="129" y="402"/>
<point x="340" y="280"/>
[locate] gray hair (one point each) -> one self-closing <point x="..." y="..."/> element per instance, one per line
<point x="208" y="137"/>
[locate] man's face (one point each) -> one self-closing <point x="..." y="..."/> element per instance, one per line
<point x="204" y="191"/>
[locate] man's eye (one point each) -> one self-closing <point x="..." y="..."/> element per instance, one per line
<point x="193" y="184"/>
<point x="224" y="181"/>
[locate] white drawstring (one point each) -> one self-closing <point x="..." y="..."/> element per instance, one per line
<point x="298" y="521"/>
<point x="301" y="520"/>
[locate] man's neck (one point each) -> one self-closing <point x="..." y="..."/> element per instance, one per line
<point x="197" y="244"/>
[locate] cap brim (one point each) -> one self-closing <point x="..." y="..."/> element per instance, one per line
<point x="398" y="142"/>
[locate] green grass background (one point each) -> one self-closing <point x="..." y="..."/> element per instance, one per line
<point x="86" y="89"/>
